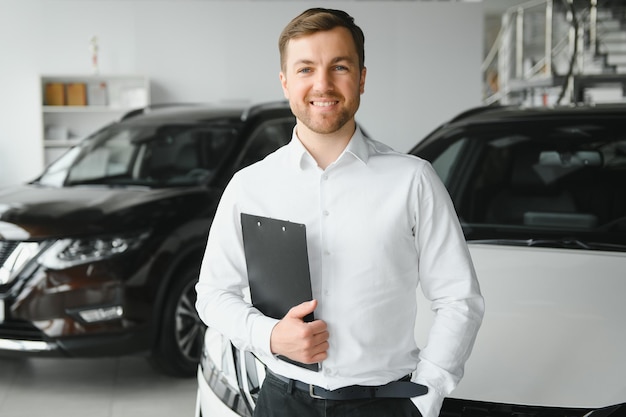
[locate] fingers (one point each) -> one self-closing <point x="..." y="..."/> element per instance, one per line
<point x="300" y="341"/>
<point x="312" y="346"/>
<point x="302" y="310"/>
<point x="318" y="351"/>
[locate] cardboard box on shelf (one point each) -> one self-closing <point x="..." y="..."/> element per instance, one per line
<point x="76" y="94"/>
<point x="54" y="94"/>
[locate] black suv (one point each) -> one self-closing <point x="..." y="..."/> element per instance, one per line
<point x="100" y="254"/>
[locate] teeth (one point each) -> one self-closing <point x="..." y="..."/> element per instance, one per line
<point x="323" y="103"/>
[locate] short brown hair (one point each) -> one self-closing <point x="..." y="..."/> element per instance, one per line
<point x="319" y="19"/>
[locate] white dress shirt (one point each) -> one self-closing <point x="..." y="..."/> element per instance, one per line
<point x="378" y="223"/>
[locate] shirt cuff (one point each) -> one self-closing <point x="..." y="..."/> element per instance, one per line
<point x="261" y="334"/>
<point x="429" y="404"/>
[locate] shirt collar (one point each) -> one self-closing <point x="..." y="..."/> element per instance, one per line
<point x="357" y="147"/>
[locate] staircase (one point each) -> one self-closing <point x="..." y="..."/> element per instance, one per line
<point x="552" y="52"/>
<point x="612" y="38"/>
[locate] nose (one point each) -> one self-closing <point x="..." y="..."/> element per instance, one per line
<point x="323" y="81"/>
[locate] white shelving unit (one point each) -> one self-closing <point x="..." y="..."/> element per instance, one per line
<point x="101" y="100"/>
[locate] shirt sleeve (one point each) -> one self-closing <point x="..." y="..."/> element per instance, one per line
<point x="222" y="301"/>
<point x="448" y="280"/>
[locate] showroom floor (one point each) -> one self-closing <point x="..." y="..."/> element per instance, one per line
<point x="111" y="387"/>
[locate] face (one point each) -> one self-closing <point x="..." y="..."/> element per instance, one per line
<point x="322" y="80"/>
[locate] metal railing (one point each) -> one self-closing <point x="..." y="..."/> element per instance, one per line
<point x="532" y="36"/>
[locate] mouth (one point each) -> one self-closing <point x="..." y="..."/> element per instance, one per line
<point x="323" y="103"/>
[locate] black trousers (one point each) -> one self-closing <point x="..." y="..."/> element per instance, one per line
<point x="278" y="399"/>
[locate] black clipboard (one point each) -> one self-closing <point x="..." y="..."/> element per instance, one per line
<point x="278" y="267"/>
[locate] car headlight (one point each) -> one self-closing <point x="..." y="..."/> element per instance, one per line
<point x="66" y="253"/>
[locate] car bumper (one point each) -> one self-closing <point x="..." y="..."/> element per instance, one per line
<point x="27" y="347"/>
<point x="208" y="404"/>
<point x="217" y="395"/>
<point x="105" y="344"/>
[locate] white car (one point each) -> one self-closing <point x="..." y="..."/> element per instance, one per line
<point x="541" y="194"/>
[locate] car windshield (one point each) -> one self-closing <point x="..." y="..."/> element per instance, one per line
<point x="540" y="184"/>
<point x="165" y="156"/>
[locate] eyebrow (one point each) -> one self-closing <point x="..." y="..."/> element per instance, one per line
<point x="333" y="61"/>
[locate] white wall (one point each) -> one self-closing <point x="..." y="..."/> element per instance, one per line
<point x="423" y="59"/>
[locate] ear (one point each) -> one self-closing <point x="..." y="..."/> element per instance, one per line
<point x="283" y="83"/>
<point x="362" y="81"/>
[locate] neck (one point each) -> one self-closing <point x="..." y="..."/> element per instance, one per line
<point x="325" y="148"/>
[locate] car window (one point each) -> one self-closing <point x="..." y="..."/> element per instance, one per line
<point x="184" y="155"/>
<point x="265" y="139"/>
<point x="105" y="154"/>
<point x="56" y="172"/>
<point x="448" y="158"/>
<point x="112" y="158"/>
<point x="170" y="155"/>
<point x="562" y="179"/>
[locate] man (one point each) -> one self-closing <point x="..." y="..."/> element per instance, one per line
<point x="378" y="223"/>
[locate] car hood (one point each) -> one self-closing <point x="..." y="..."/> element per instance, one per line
<point x="31" y="212"/>
<point x="553" y="332"/>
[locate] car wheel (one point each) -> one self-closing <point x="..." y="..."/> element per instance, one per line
<point x="179" y="344"/>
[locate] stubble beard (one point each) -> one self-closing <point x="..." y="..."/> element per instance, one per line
<point x="324" y="123"/>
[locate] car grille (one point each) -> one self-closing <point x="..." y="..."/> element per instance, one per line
<point x="14" y="256"/>
<point x="6" y="248"/>
<point x="20" y="330"/>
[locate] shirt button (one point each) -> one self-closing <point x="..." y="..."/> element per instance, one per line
<point x="326" y="252"/>
<point x="325" y="213"/>
<point x="325" y="177"/>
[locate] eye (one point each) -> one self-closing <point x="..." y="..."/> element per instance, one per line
<point x="305" y="70"/>
<point x="341" y="68"/>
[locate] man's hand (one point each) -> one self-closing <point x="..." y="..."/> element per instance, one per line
<point x="298" y="340"/>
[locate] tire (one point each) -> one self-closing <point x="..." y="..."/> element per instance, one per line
<point x="181" y="337"/>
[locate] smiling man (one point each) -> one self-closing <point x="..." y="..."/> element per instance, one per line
<point x="378" y="222"/>
<point x="323" y="77"/>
